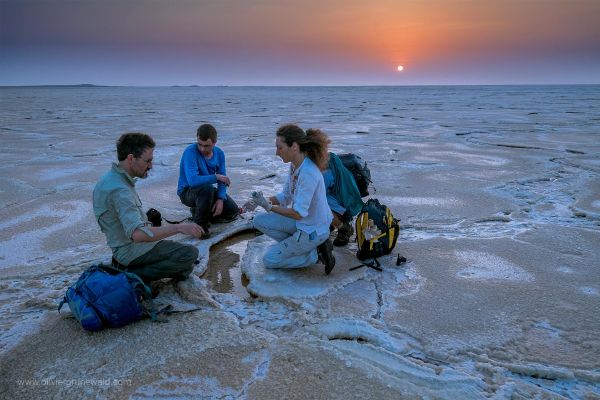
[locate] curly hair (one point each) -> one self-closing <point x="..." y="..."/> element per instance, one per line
<point x="313" y="143"/>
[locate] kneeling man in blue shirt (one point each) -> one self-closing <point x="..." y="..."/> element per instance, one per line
<point x="203" y="180"/>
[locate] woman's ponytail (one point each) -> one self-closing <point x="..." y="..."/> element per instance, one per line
<point x="317" y="147"/>
<point x="314" y="142"/>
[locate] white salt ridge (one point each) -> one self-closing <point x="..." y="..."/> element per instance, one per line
<point x="475" y="159"/>
<point x="201" y="387"/>
<point x="551" y="330"/>
<point x="204" y="246"/>
<point x="62" y="172"/>
<point x="420" y="201"/>
<point x="352" y="329"/>
<point x="299" y="283"/>
<point x="396" y="371"/>
<point x="565" y="269"/>
<point x="71" y="213"/>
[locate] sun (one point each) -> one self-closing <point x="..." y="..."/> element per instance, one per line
<point x="400" y="68"/>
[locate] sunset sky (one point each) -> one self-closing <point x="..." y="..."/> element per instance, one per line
<point x="307" y="42"/>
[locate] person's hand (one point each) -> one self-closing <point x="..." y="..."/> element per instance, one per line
<point x="224" y="179"/>
<point x="192" y="229"/>
<point x="217" y="208"/>
<point x="259" y="199"/>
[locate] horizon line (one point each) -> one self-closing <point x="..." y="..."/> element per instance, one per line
<point x="91" y="85"/>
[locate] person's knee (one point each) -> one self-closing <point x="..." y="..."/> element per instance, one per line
<point x="269" y="262"/>
<point x="189" y="254"/>
<point x="205" y="189"/>
<point x="273" y="258"/>
<point x="186" y="260"/>
<point x="259" y="222"/>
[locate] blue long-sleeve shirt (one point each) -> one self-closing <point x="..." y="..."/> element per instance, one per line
<point x="195" y="170"/>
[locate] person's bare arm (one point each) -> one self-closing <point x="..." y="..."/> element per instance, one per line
<point x="286" y="212"/>
<point x="162" y="232"/>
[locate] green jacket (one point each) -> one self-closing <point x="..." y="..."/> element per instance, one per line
<point x="345" y="189"/>
<point x="118" y="210"/>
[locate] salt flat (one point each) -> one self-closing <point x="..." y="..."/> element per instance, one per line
<point x="497" y="191"/>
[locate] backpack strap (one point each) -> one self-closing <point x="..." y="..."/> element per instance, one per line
<point x="175" y="222"/>
<point x="374" y="239"/>
<point x="375" y="264"/>
<point x="138" y="283"/>
<point x="64" y="300"/>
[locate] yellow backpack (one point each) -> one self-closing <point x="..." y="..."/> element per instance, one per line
<point x="376" y="230"/>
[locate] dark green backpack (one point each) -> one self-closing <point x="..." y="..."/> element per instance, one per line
<point x="361" y="173"/>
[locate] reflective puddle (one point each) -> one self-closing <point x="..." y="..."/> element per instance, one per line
<point x="224" y="265"/>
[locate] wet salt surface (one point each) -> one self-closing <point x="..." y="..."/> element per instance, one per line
<point x="498" y="193"/>
<point x="224" y="270"/>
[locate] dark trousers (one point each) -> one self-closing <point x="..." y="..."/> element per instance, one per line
<point x="339" y="219"/>
<point x="347" y="216"/>
<point x="201" y="200"/>
<point x="168" y="259"/>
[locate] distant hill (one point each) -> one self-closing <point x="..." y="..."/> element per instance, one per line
<point x="83" y="85"/>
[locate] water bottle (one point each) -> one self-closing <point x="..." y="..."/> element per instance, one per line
<point x="371" y="230"/>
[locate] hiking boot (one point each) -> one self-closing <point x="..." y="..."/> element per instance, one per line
<point x="154" y="289"/>
<point x="325" y="252"/>
<point x="343" y="234"/>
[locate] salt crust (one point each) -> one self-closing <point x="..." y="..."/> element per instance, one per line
<point x="426" y="380"/>
<point x="204" y="246"/>
<point x="353" y="329"/>
<point x="420" y="201"/>
<point x="69" y="214"/>
<point x="487" y="266"/>
<point x="301" y="283"/>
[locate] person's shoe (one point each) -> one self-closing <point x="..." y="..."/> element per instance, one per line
<point x="325" y="252"/>
<point x="343" y="235"/>
<point x="155" y="290"/>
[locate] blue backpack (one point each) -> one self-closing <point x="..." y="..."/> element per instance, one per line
<point x="100" y="298"/>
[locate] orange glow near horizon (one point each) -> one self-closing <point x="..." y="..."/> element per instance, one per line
<point x="293" y="41"/>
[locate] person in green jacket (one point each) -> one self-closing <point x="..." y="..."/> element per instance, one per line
<point x="137" y="246"/>
<point x="343" y="199"/>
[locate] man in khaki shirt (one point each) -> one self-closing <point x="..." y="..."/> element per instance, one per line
<point x="118" y="209"/>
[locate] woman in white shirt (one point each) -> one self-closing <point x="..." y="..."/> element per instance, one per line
<point x="298" y="217"/>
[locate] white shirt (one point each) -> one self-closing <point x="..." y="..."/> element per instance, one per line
<point x="305" y="191"/>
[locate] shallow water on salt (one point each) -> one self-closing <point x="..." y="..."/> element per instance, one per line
<point x="224" y="270"/>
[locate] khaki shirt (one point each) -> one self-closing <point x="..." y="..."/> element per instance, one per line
<point x="118" y="210"/>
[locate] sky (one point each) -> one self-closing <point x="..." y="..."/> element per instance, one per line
<point x="303" y="42"/>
